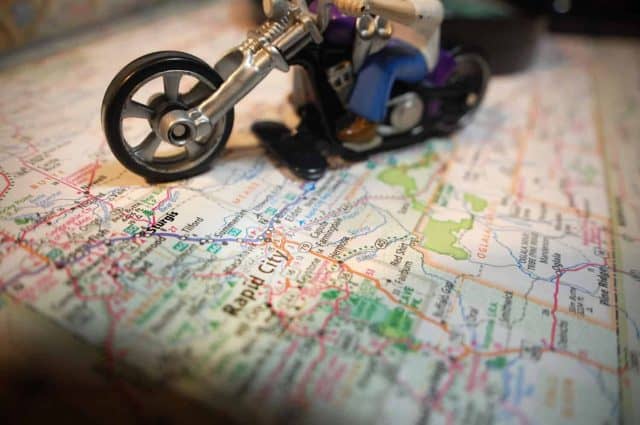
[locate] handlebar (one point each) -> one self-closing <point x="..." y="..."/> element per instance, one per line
<point x="401" y="11"/>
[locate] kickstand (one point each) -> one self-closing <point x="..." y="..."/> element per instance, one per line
<point x="297" y="150"/>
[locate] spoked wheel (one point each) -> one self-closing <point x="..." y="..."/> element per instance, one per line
<point x="145" y="116"/>
<point x="469" y="81"/>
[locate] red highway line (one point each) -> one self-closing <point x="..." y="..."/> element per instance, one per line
<point x="6" y="188"/>
<point x="554" y="325"/>
<point x="556" y="295"/>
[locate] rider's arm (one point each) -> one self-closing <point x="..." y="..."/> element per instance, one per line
<point x="408" y="12"/>
<point x="424" y="16"/>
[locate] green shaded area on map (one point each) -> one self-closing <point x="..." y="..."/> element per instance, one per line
<point x="442" y="237"/>
<point x="497" y="363"/>
<point x="588" y="171"/>
<point x="366" y="308"/>
<point x="477" y="204"/>
<point x="394" y="323"/>
<point x="397" y="324"/>
<point x="331" y="294"/>
<point x="399" y="176"/>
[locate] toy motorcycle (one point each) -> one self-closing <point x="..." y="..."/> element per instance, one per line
<point x="185" y="130"/>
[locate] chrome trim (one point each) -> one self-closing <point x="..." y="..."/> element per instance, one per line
<point x="267" y="48"/>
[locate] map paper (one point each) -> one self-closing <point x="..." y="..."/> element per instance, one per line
<point x="489" y="278"/>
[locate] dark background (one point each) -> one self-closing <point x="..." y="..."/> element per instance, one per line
<point x="509" y="42"/>
<point x="605" y="17"/>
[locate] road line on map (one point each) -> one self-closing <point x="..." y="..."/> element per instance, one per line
<point x="25" y="246"/>
<point x="323" y="351"/>
<point x="110" y="355"/>
<point x="52" y="177"/>
<point x="6" y="284"/>
<point x="275" y="373"/>
<point x="625" y="398"/>
<point x="556" y="293"/>
<point x="533" y="300"/>
<point x="92" y="176"/>
<point x="79" y="190"/>
<point x="439" y="176"/>
<point x="61" y="181"/>
<point x="379" y="286"/>
<point x="356" y="186"/>
<point x="469" y="350"/>
<point x="569" y="210"/>
<point x="554" y="309"/>
<point x="166" y="199"/>
<point x="523" y="136"/>
<point x="454" y="369"/>
<point x="5" y="189"/>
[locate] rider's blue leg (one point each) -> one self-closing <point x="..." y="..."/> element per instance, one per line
<point x="397" y="61"/>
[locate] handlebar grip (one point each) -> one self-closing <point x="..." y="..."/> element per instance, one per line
<point x="351" y="7"/>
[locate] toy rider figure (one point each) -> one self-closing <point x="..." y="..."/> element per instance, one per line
<point x="396" y="60"/>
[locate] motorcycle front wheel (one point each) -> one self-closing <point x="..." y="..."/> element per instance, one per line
<point x="142" y="94"/>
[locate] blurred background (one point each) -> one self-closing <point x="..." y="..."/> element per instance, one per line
<point x="25" y="21"/>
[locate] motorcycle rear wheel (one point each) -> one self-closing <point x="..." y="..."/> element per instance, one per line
<point x="471" y="79"/>
<point x="131" y="125"/>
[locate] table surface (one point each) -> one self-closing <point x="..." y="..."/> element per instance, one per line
<point x="490" y="277"/>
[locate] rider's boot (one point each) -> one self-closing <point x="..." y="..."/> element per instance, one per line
<point x="360" y="131"/>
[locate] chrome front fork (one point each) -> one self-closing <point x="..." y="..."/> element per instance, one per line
<point x="267" y="48"/>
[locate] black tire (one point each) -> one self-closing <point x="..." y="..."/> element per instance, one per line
<point x="471" y="77"/>
<point x="128" y="81"/>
